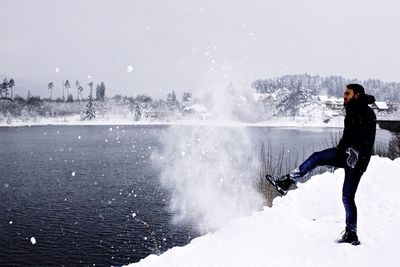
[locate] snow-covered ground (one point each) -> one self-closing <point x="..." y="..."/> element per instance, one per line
<point x="300" y="229"/>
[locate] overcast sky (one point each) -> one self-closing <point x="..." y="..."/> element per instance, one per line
<point x="155" y="47"/>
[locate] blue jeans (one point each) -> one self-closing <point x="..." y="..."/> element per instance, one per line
<point x="352" y="178"/>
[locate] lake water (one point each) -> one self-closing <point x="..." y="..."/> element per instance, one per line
<point x="90" y="196"/>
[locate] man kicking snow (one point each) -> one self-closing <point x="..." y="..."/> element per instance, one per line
<point x="353" y="153"/>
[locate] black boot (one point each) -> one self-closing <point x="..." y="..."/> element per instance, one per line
<point x="282" y="184"/>
<point x="349" y="237"/>
<point x="285" y="182"/>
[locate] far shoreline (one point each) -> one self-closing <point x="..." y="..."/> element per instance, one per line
<point x="283" y="122"/>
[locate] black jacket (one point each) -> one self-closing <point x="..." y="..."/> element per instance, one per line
<point x="359" y="130"/>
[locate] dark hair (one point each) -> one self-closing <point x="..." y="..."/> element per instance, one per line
<point x="356" y="88"/>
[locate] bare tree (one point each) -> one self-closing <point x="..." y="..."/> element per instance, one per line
<point x="78" y="88"/>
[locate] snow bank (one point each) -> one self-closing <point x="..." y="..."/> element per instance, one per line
<point x="300" y="228"/>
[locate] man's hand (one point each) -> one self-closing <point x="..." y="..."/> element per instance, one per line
<point x="352" y="157"/>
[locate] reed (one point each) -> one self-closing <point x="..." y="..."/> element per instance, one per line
<point x="391" y="150"/>
<point x="274" y="164"/>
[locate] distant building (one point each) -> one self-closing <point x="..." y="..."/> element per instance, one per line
<point x="332" y="103"/>
<point x="153" y="113"/>
<point x="380" y="106"/>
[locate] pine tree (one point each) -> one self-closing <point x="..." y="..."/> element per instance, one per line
<point x="90" y="109"/>
<point x="172" y="102"/>
<point x="98" y="97"/>
<point x="100" y="92"/>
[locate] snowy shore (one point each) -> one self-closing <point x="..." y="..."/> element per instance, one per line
<point x="300" y="229"/>
<point x="273" y="122"/>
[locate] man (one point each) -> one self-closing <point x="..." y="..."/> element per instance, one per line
<point x="353" y="153"/>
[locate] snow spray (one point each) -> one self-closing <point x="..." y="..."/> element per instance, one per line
<point x="210" y="171"/>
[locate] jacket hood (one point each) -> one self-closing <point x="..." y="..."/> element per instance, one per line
<point x="363" y="99"/>
<point x="368" y="99"/>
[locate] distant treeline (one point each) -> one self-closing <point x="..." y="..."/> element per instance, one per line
<point x="332" y="86"/>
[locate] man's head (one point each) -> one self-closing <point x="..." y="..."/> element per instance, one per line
<point x="353" y="91"/>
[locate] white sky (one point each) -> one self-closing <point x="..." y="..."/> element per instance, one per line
<point x="179" y="44"/>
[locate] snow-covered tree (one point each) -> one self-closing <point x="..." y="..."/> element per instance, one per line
<point x="90" y="112"/>
<point x="144" y="101"/>
<point x="172" y="102"/>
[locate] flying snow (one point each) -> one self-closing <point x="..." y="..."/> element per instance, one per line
<point x="129" y="68"/>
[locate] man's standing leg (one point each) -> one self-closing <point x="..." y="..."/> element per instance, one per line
<point x="351" y="180"/>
